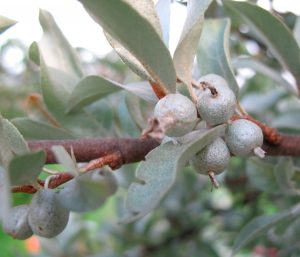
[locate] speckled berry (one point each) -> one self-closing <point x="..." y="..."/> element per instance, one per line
<point x="213" y="158"/>
<point x="177" y="114"/>
<point x="16" y="224"/>
<point x="243" y="137"/>
<point x="47" y="218"/>
<point x="216" y="102"/>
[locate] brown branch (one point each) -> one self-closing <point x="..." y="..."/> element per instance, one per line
<point x="288" y="146"/>
<point x="85" y="150"/>
<point x="116" y="152"/>
<point x="55" y="181"/>
<point x="134" y="150"/>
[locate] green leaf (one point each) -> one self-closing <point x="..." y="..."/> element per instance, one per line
<point x="65" y="159"/>
<point x="25" y="169"/>
<point x="213" y="51"/>
<point x="138" y="36"/>
<point x="260" y="225"/>
<point x="34" y="53"/>
<point x="163" y="9"/>
<point x="187" y="47"/>
<point x="271" y="31"/>
<point x="32" y="129"/>
<point x="128" y="58"/>
<point x="296" y="31"/>
<point x="88" y="191"/>
<point x="143" y="90"/>
<point x="288" y="120"/>
<point x="261" y="175"/>
<point x="17" y="142"/>
<point x="93" y="88"/>
<point x="147" y="10"/>
<point x="90" y="89"/>
<point x="55" y="49"/>
<point x="158" y="173"/>
<point x="6" y="153"/>
<point x="60" y="71"/>
<point x="284" y="171"/>
<point x="5" y="194"/>
<point x="5" y="23"/>
<point x="261" y="68"/>
<point x="263" y="101"/>
<point x="55" y="85"/>
<point x="133" y="104"/>
<point x="11" y="141"/>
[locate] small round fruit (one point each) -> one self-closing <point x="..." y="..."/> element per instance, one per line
<point x="88" y="191"/>
<point x="16" y="224"/>
<point x="213" y="158"/>
<point x="47" y="218"/>
<point x="177" y="114"/>
<point x="216" y="102"/>
<point x="243" y="137"/>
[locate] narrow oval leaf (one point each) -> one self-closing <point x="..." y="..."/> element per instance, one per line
<point x="158" y="173"/>
<point x="25" y="169"/>
<point x="32" y="129"/>
<point x="90" y="89"/>
<point x="272" y="32"/>
<point x="6" y="152"/>
<point x="59" y="73"/>
<point x="143" y="90"/>
<point x="133" y="105"/>
<point x="5" y="23"/>
<point x="147" y="10"/>
<point x="213" y="51"/>
<point x="93" y="88"/>
<point x="65" y="159"/>
<point x="296" y="31"/>
<point x="261" y="68"/>
<point x="163" y="9"/>
<point x="88" y="191"/>
<point x="128" y="58"/>
<point x="17" y="142"/>
<point x="34" y="53"/>
<point x="55" y="48"/>
<point x="258" y="226"/>
<point x="138" y="36"/>
<point x="187" y="46"/>
<point x="5" y="194"/>
<point x="54" y="86"/>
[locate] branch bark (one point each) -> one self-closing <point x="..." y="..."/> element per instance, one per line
<point x="85" y="150"/>
<point x="116" y="152"/>
<point x="134" y="150"/>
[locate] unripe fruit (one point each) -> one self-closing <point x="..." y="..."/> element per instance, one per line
<point x="243" y="137"/>
<point x="16" y="224"/>
<point x="88" y="191"/>
<point x="47" y="218"/>
<point x="177" y="114"/>
<point x="216" y="102"/>
<point x="213" y="158"/>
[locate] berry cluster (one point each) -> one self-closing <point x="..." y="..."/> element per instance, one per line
<point x="44" y="216"/>
<point x="48" y="213"/>
<point x="216" y="103"/>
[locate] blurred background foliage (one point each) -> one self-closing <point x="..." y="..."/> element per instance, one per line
<point x="193" y="220"/>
